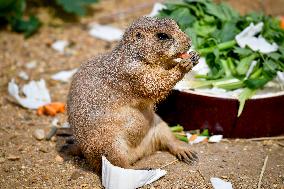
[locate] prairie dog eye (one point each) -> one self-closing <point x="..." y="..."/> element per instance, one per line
<point x="163" y="36"/>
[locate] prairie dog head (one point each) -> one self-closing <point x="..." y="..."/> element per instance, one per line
<point x="155" y="40"/>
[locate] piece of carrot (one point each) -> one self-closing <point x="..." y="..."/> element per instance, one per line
<point x="51" y="109"/>
<point x="183" y="55"/>
<point x="40" y="111"/>
<point x="282" y="22"/>
<point x="205" y="140"/>
<point x="58" y="106"/>
<point x="193" y="137"/>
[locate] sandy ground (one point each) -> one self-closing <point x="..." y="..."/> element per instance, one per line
<point x="28" y="163"/>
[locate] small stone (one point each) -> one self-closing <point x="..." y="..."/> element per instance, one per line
<point x="2" y="160"/>
<point x="76" y="174"/>
<point x="64" y="132"/>
<point x="59" y="158"/>
<point x="267" y="142"/>
<point x="224" y="177"/>
<point x="44" y="149"/>
<point x="13" y="158"/>
<point x="30" y="65"/>
<point x="39" y="134"/>
<point x="51" y="132"/>
<point x="65" y="125"/>
<point x="55" y="122"/>
<point x="20" y="148"/>
<point x="53" y="139"/>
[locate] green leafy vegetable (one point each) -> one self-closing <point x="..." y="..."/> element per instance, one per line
<point x="177" y="128"/>
<point x="205" y="132"/>
<point x="244" y="64"/>
<point x="181" y="137"/>
<point x="13" y="12"/>
<point x="212" y="28"/>
<point x="245" y="95"/>
<point x="28" y="27"/>
<point x="178" y="132"/>
<point x="77" y="7"/>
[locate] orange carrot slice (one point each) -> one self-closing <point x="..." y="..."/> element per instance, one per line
<point x="183" y="55"/>
<point x="51" y="109"/>
<point x="282" y="22"/>
<point x="40" y="111"/>
<point x="192" y="138"/>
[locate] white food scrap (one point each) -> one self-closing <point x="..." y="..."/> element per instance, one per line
<point x="36" y="94"/>
<point x="218" y="183"/>
<point x="60" y="45"/>
<point x="114" y="177"/>
<point x="156" y="8"/>
<point x="215" y="138"/>
<point x="64" y="76"/>
<point x="30" y="65"/>
<point x="23" y="75"/>
<point x="193" y="139"/>
<point x="106" y="32"/>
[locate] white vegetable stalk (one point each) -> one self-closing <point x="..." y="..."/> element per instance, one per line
<point x="247" y="38"/>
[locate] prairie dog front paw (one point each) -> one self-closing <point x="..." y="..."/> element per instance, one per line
<point x="187" y="63"/>
<point x="194" y="57"/>
<point x="182" y="151"/>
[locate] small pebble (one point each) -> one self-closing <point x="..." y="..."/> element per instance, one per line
<point x="53" y="139"/>
<point x="30" y="65"/>
<point x="64" y="132"/>
<point x="51" y="133"/>
<point x="76" y="174"/>
<point x="23" y="75"/>
<point x="13" y="158"/>
<point x="59" y="158"/>
<point x="2" y="160"/>
<point x="65" y="125"/>
<point x="55" y="122"/>
<point x="84" y="185"/>
<point x="44" y="149"/>
<point x="39" y="134"/>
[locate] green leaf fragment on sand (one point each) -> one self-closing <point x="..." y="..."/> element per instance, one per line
<point x="77" y="7"/>
<point x="29" y="26"/>
<point x="181" y="137"/>
<point x="177" y="128"/>
<point x="205" y="132"/>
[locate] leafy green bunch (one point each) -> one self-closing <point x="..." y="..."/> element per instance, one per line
<point x="13" y="12"/>
<point x="212" y="28"/>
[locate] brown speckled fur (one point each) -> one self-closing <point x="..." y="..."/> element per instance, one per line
<point x="112" y="97"/>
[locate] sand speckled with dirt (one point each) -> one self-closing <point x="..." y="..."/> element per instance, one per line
<point x="28" y="163"/>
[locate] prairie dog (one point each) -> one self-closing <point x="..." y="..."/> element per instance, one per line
<point x="112" y="97"/>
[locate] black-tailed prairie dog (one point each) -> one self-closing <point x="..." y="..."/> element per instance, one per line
<point x="112" y="97"/>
